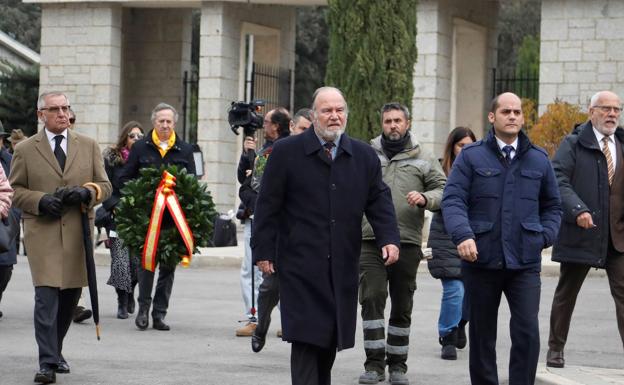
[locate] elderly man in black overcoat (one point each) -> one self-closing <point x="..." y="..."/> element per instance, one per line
<point x="307" y="223"/>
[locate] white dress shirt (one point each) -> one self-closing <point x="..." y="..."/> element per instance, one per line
<point x="52" y="142"/>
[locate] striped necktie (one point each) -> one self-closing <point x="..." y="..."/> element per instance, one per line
<point x="607" y="154"/>
<point x="328" y="147"/>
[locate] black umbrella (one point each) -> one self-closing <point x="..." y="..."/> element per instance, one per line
<point x="90" y="263"/>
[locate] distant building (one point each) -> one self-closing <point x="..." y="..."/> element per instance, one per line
<point x="16" y="53"/>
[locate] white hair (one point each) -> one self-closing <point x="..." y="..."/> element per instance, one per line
<point x="41" y="103"/>
<point x="161" y="107"/>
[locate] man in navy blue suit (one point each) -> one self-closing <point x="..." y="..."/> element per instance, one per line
<point x="501" y="207"/>
<point x="308" y="224"/>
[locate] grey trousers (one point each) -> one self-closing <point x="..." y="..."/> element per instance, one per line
<point x="54" y="311"/>
<point x="164" y="286"/>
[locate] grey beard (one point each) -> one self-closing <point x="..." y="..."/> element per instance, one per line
<point x="329" y="135"/>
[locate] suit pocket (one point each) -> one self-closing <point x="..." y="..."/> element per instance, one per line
<point x="483" y="238"/>
<point x="530" y="184"/>
<point x="486" y="183"/>
<point x="532" y="242"/>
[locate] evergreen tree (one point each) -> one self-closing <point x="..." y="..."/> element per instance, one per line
<point x="372" y="52"/>
<point x="18" y="97"/>
<point x="22" y="22"/>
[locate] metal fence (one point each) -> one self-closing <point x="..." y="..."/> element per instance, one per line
<point x="523" y="84"/>
<point x="271" y="84"/>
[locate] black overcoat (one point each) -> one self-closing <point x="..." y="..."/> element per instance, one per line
<point x="308" y="220"/>
<point x="584" y="184"/>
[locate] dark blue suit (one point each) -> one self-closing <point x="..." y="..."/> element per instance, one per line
<point x="512" y="211"/>
<point x="308" y="221"/>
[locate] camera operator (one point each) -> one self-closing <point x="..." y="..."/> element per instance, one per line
<point x="276" y="126"/>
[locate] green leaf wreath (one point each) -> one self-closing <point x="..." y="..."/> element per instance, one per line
<point x="132" y="214"/>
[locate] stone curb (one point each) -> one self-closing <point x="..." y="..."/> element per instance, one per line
<point x="233" y="256"/>
<point x="578" y="375"/>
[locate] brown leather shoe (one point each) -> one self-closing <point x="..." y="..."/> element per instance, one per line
<point x="554" y="359"/>
<point x="247" y="330"/>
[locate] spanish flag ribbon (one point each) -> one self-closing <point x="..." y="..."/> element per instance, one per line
<point x="166" y="198"/>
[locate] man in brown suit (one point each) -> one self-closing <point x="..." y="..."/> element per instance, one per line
<point x="590" y="171"/>
<point x="55" y="173"/>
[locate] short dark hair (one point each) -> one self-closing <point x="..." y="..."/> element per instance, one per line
<point x="395" y="106"/>
<point x="303" y="113"/>
<point x="281" y="118"/>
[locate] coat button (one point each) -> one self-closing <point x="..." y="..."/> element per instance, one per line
<point x="328" y="256"/>
<point x="333" y="222"/>
<point x="333" y="186"/>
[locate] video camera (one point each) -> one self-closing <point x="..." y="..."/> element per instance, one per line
<point x="246" y="115"/>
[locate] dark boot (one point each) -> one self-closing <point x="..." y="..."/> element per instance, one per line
<point x="122" y="304"/>
<point x="448" y="343"/>
<point x="131" y="302"/>
<point x="461" y="334"/>
<point x="142" y="319"/>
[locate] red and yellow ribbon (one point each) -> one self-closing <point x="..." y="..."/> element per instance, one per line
<point x="166" y="198"/>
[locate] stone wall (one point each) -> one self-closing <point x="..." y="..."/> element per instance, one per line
<point x="80" y="55"/>
<point x="431" y="105"/>
<point x="222" y="81"/>
<point x="582" y="50"/>
<point x="156" y="52"/>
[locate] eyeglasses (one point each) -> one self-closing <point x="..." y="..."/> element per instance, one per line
<point x="607" y="109"/>
<point x="136" y="136"/>
<point x="56" y="109"/>
<point x="72" y="120"/>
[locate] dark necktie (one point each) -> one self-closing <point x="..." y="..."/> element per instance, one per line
<point x="58" y="151"/>
<point x="328" y="149"/>
<point x="507" y="151"/>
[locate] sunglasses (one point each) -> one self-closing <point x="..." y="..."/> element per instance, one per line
<point x="135" y="136"/>
<point x="72" y="120"/>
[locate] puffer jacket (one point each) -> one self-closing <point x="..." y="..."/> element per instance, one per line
<point x="445" y="261"/>
<point x="511" y="211"/>
<point x="410" y="170"/>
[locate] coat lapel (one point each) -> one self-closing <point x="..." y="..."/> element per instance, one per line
<point x="43" y="146"/>
<point x="72" y="148"/>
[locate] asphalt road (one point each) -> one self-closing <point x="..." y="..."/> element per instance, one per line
<point x="202" y="349"/>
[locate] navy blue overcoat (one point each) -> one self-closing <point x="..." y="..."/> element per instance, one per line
<point x="308" y="221"/>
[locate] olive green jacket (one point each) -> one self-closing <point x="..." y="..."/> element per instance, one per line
<point x="410" y="170"/>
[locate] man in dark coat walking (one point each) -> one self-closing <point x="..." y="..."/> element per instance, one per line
<point x="590" y="170"/>
<point x="161" y="146"/>
<point x="501" y="207"/>
<point x="307" y="223"/>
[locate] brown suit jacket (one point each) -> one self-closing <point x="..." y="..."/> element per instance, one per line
<point x="55" y="246"/>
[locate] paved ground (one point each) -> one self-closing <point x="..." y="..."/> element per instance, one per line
<point x="201" y="347"/>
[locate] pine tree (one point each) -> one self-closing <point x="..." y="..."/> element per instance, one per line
<point x="18" y="97"/>
<point x="372" y="52"/>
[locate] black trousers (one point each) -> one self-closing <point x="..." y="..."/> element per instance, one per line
<point x="5" y="277"/>
<point x="571" y="278"/>
<point x="164" y="286"/>
<point x="484" y="288"/>
<point x="268" y="297"/>
<point x="54" y="311"/>
<point x="310" y="364"/>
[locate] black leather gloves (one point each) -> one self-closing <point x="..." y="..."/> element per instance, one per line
<point x="50" y="205"/>
<point x="76" y="195"/>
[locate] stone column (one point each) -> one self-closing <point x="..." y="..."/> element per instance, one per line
<point x="80" y="55"/>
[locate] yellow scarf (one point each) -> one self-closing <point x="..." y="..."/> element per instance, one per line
<point x="170" y="143"/>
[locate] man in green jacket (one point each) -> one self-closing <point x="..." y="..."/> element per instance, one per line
<point x="416" y="180"/>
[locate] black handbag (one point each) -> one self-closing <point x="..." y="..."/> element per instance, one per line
<point x="9" y="228"/>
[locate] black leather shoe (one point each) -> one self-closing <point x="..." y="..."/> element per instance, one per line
<point x="142" y="319"/>
<point x="554" y="359"/>
<point x="82" y="314"/>
<point x="45" y="376"/>
<point x="257" y="342"/>
<point x="62" y="367"/>
<point x="159" y="324"/>
<point x="122" y="313"/>
<point x="131" y="303"/>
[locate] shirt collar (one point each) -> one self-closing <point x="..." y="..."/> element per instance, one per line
<point x="600" y="135"/>
<point x="323" y="141"/>
<point x="502" y="144"/>
<point x="51" y="135"/>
